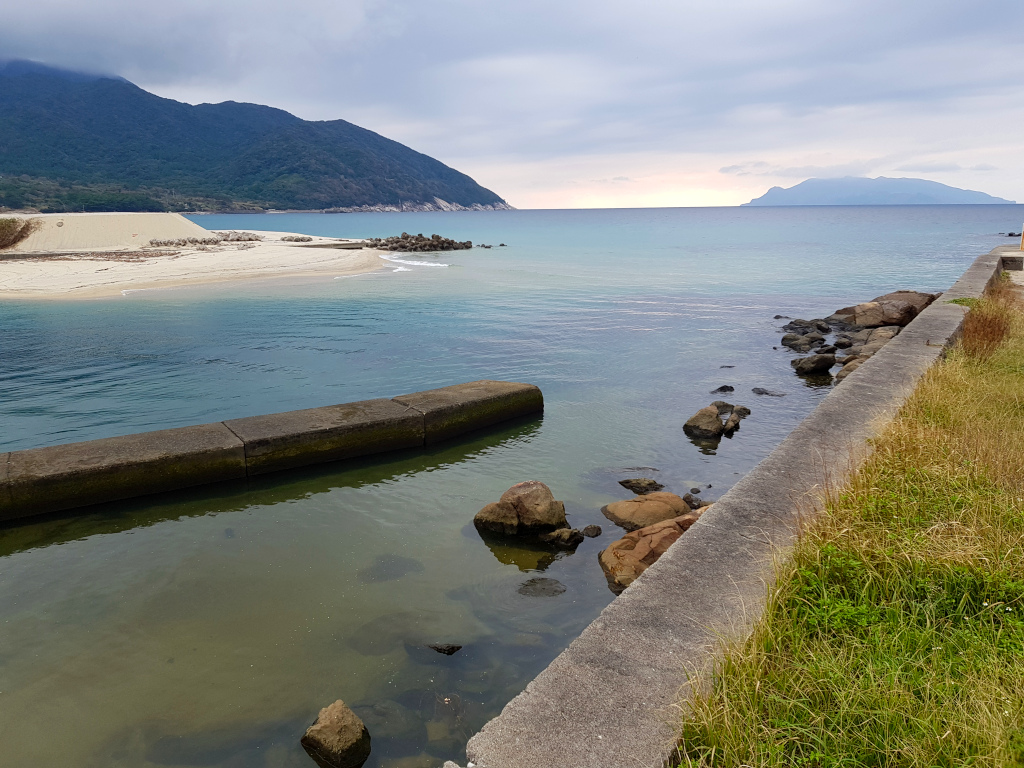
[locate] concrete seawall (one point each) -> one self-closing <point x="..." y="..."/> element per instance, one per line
<point x="63" y="477"/>
<point x="617" y="695"/>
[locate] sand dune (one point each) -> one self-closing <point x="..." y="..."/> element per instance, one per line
<point x="96" y="255"/>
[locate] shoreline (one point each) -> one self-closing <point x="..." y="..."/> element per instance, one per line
<point x="49" y="265"/>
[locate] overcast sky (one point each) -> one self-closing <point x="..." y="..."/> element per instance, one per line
<point x="580" y="103"/>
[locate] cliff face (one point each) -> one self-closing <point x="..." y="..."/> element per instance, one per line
<point x="70" y="141"/>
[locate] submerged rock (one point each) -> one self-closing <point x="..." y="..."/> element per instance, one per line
<point x="445" y="648"/>
<point x="566" y="538"/>
<point x="645" y="510"/>
<point x="591" y="531"/>
<point x="541" y="587"/>
<point x="338" y="738"/>
<point x="723" y="389"/>
<point x="641" y="485"/>
<point x="767" y="392"/>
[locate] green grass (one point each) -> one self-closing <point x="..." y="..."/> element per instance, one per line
<point x="895" y="633"/>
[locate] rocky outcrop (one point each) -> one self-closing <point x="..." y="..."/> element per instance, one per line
<point x="641" y="485"/>
<point x="417" y="243"/>
<point x="897" y="308"/>
<point x="338" y="738"/>
<point x="624" y="560"/>
<point x="645" y="510"/>
<point x="527" y="507"/>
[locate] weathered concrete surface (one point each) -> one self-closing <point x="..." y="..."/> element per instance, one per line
<point x="452" y="411"/>
<point x="613" y="698"/>
<point x="79" y="474"/>
<point x="317" y="435"/>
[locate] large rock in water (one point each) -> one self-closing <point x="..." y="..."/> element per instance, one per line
<point x="645" y="510"/>
<point x="338" y="738"/>
<point x="704" y="423"/>
<point x="814" y="364"/>
<point x="527" y="507"/>
<point x="624" y="560"/>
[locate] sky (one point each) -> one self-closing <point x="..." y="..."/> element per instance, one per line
<point x="589" y="103"/>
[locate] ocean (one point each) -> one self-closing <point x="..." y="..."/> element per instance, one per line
<point x="207" y="628"/>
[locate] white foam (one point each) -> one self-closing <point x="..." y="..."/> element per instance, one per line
<point x="414" y="263"/>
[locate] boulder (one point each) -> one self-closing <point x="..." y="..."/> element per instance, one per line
<point x="704" y="423"/>
<point x="527" y="507"/>
<point x="723" y="407"/>
<point x="591" y="531"/>
<point x="742" y="411"/>
<point x="692" y="501"/>
<point x="338" y="738"/>
<point x="819" y="364"/>
<point x="842" y="342"/>
<point x="624" y="560"/>
<point x="848" y="369"/>
<point x="797" y="342"/>
<point x="918" y="300"/>
<point x="872" y="314"/>
<point x="645" y="510"/>
<point x="732" y="423"/>
<point x="826" y="350"/>
<point x="641" y="485"/>
<point x="566" y="538"/>
<point x="723" y="389"/>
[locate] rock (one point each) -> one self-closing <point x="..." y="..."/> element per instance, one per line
<point x="723" y="407"/>
<point x="641" y="485"/>
<point x="446" y="648"/>
<point x="742" y="411"/>
<point x="884" y="333"/>
<point x="798" y="326"/>
<point x="390" y="720"/>
<point x="848" y="369"/>
<point x="826" y="350"/>
<point x="592" y="531"/>
<point x="727" y="366"/>
<point x="624" y="560"/>
<point x="796" y="342"/>
<point x="417" y="243"/>
<point x="723" y="389"/>
<point x="814" y="364"/>
<point x="919" y="301"/>
<point x="704" y="423"/>
<point x="566" y="538"/>
<point x="527" y="507"/>
<point x="872" y="314"/>
<point x="541" y="587"/>
<point x="338" y="738"/>
<point x="695" y="490"/>
<point x="692" y="501"/>
<point x="782" y="317"/>
<point x="842" y="342"/>
<point x="645" y="510"/>
<point x="767" y="392"/>
<point x="732" y="423"/>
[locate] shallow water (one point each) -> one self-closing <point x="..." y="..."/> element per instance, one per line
<point x="208" y="627"/>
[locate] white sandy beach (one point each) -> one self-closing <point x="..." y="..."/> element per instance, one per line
<point x="96" y="255"/>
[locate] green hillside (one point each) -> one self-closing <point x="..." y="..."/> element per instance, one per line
<point x="70" y="141"/>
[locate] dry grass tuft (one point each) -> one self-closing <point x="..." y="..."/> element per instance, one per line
<point x="13" y="231"/>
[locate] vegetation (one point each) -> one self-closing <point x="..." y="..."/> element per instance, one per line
<point x="13" y="231"/>
<point x="895" y="635"/>
<point x="75" y="142"/>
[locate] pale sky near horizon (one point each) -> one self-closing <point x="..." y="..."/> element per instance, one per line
<point x="572" y="103"/>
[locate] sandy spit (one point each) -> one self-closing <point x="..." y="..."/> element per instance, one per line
<point x="100" y="255"/>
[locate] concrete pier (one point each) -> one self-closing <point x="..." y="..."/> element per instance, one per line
<point x="73" y="475"/>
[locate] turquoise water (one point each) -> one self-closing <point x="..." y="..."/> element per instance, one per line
<point x="208" y="628"/>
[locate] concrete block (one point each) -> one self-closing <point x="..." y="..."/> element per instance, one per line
<point x="317" y="435"/>
<point x="1013" y="263"/>
<point x="452" y="411"/>
<point x="80" y="474"/>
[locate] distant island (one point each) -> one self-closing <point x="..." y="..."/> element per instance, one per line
<point x="858" y="190"/>
<point x="71" y="141"/>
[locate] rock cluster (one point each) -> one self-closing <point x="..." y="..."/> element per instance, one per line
<point x="296" y="239"/>
<point x="418" y="243"/>
<point x="861" y="330"/>
<point x="707" y="423"/>
<point x="216" y="239"/>
<point x="338" y="738"/>
<point x="624" y="560"/>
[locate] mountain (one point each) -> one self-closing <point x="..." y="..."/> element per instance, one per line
<point x="857" y="190"/>
<point x="77" y="141"/>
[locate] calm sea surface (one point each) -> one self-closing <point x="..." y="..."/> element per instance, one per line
<point x="209" y="627"/>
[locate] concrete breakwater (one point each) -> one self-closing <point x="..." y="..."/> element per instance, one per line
<point x="616" y="696"/>
<point x="73" y="475"/>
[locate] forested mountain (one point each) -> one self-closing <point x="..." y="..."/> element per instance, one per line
<point x="858" y="190"/>
<point x="72" y="141"/>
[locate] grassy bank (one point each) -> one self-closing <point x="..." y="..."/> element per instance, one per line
<point x="895" y="634"/>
